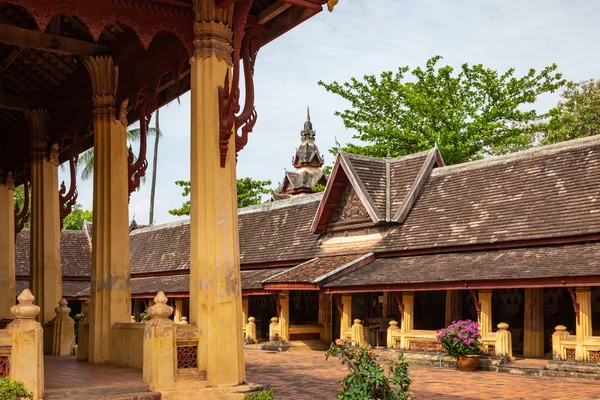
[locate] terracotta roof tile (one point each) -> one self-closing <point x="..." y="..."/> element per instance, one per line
<point x="69" y="288"/>
<point x="310" y="271"/>
<point x="160" y="248"/>
<point x="523" y="263"/>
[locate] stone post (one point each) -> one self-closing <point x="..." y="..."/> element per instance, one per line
<point x="485" y="315"/>
<point x="503" y="341"/>
<point x="583" y="329"/>
<point x="346" y="316"/>
<point x="391" y="331"/>
<point x="358" y="335"/>
<point x="110" y="291"/>
<point x="558" y="336"/>
<point x="45" y="273"/>
<point x="184" y="321"/>
<point x="63" y="331"/>
<point x="274" y="334"/>
<point x="533" y="334"/>
<point x="251" y="330"/>
<point x="284" y="316"/>
<point x="27" y="358"/>
<point x="7" y="244"/>
<point x="453" y="306"/>
<point x="215" y="291"/>
<point x="178" y="310"/>
<point x="160" y="360"/>
<point x="324" y="317"/>
<point x="83" y="332"/>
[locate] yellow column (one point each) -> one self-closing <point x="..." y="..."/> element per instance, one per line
<point x="408" y="299"/>
<point x="45" y="274"/>
<point x="485" y="316"/>
<point x="7" y="244"/>
<point x="215" y="292"/>
<point x="178" y="310"/>
<point x="110" y="293"/>
<point x="583" y="330"/>
<point x="324" y="317"/>
<point x="245" y="310"/>
<point x="533" y="333"/>
<point x="346" y="316"/>
<point x="284" y="316"/>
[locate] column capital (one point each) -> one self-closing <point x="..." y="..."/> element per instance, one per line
<point x="105" y="79"/>
<point x="7" y="180"/>
<point x="213" y="31"/>
<point x="38" y="131"/>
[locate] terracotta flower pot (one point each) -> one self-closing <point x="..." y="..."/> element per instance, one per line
<point x="468" y="363"/>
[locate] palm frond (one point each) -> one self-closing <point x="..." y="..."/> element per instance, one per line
<point x="86" y="164"/>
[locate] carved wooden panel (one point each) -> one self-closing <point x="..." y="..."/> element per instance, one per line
<point x="425" y="346"/>
<point x="4" y="366"/>
<point x="570" y="354"/>
<point x="491" y="350"/>
<point x="350" y="208"/>
<point x="187" y="357"/>
<point x="594" y="356"/>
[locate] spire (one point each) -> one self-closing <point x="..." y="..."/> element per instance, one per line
<point x="308" y="133"/>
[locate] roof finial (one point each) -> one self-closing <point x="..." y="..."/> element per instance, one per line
<point x="307" y="133"/>
<point x="307" y="114"/>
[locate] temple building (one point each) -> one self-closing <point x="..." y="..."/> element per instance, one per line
<point x="308" y="162"/>
<point x="395" y="248"/>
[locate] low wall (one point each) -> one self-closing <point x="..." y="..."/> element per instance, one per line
<point x="306" y="332"/>
<point x="127" y="344"/>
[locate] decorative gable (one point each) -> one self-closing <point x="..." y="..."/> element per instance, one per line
<point x="350" y="207"/>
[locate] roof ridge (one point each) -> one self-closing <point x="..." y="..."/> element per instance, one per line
<point x="386" y="159"/>
<point x="539" y="151"/>
<point x="158" y="227"/>
<point x="274" y="205"/>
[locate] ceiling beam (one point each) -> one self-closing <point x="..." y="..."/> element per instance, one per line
<point x="18" y="103"/>
<point x="271" y="12"/>
<point x="47" y="42"/>
<point x="287" y="20"/>
<point x="304" y="4"/>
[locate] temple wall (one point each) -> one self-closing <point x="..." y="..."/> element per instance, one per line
<point x="127" y="344"/>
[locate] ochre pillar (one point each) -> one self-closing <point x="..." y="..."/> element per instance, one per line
<point x="178" y="310"/>
<point x="533" y="333"/>
<point x="453" y="306"/>
<point x="485" y="315"/>
<point x="110" y="292"/>
<point x="408" y="300"/>
<point x="324" y="317"/>
<point x="45" y="273"/>
<point x="215" y="291"/>
<point x="346" y="317"/>
<point x="7" y="245"/>
<point x="284" y="315"/>
<point x="583" y="329"/>
<point x="245" y="311"/>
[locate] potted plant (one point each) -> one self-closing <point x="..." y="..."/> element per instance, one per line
<point x="461" y="339"/>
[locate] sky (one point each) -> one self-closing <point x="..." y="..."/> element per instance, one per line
<point x="367" y="37"/>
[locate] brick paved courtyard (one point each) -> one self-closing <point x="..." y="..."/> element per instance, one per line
<point x="306" y="375"/>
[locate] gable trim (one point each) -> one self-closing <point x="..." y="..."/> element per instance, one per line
<point x="360" y="189"/>
<point x="434" y="158"/>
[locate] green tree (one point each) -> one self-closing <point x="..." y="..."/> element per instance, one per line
<point x="249" y="192"/>
<point x="470" y="113"/>
<point x="576" y="115"/>
<point x="19" y="197"/>
<point x="74" y="221"/>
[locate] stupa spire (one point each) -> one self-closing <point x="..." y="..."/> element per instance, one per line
<point x="308" y="133"/>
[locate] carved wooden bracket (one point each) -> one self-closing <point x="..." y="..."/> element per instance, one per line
<point x="338" y="304"/>
<point x="21" y="216"/>
<point x="68" y="199"/>
<point x="138" y="166"/>
<point x="400" y="305"/>
<point x="247" y="40"/>
<point x="575" y="303"/>
<point x="275" y="296"/>
<point x="476" y="301"/>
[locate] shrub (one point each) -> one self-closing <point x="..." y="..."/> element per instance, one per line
<point x="461" y="338"/>
<point x="367" y="379"/>
<point x="262" y="395"/>
<point x="13" y="390"/>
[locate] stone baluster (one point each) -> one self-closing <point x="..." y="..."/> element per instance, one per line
<point x="391" y="331"/>
<point x="558" y="336"/>
<point x="63" y="331"/>
<point x="274" y="330"/>
<point x="133" y="319"/>
<point x="358" y="336"/>
<point x="83" y="332"/>
<point x="503" y="341"/>
<point x="251" y="330"/>
<point x="27" y="358"/>
<point x="183" y="321"/>
<point x="160" y="361"/>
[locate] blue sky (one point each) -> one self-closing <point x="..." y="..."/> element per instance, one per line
<point x="366" y="37"/>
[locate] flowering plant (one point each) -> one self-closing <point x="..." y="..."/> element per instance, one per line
<point x="367" y="379"/>
<point x="461" y="338"/>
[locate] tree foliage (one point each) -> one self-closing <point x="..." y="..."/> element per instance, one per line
<point x="19" y="197"/>
<point x="577" y="115"/>
<point x="74" y="221"/>
<point x="249" y="192"/>
<point x="469" y="113"/>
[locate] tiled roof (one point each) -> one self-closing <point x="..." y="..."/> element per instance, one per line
<point x="550" y="191"/>
<point x="76" y="254"/>
<point x="69" y="288"/>
<point x="163" y="247"/>
<point x="278" y="231"/>
<point x="523" y="263"/>
<point x="313" y="270"/>
<point x="252" y="279"/>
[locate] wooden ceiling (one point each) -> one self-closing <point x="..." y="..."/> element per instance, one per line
<point x="44" y="68"/>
